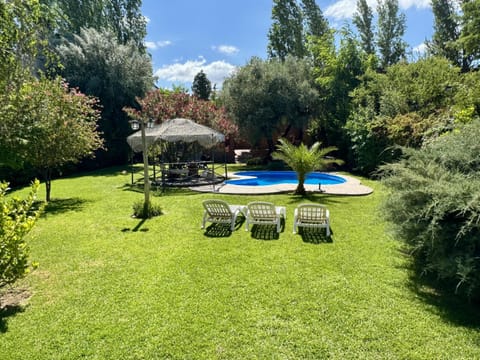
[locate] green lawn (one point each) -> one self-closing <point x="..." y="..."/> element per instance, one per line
<point x="113" y="287"/>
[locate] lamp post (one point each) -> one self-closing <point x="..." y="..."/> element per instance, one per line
<point x="146" y="179"/>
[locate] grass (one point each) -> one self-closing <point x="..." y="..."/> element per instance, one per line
<point x="113" y="287"/>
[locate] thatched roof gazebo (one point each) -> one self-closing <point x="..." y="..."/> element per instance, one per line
<point x="174" y="131"/>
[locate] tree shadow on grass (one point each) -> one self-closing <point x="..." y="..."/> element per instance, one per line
<point x="58" y="206"/>
<point x="12" y="302"/>
<point x="315" y="235"/>
<point x="452" y="308"/>
<point x="157" y="190"/>
<point x="6" y="312"/>
<point x="137" y="227"/>
<point x="318" y="198"/>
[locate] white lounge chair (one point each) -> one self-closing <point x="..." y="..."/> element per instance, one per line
<point x="312" y="216"/>
<point x="264" y="213"/>
<point x="220" y="212"/>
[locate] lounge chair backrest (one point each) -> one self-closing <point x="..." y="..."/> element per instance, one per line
<point x="217" y="208"/>
<point x="313" y="213"/>
<point x="261" y="210"/>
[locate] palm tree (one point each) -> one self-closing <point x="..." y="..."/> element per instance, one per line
<point x="303" y="160"/>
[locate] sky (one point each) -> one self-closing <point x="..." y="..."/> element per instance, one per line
<point x="217" y="36"/>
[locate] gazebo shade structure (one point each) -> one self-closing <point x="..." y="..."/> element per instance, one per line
<point x="175" y="130"/>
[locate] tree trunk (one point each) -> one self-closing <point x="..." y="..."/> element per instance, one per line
<point x="300" y="187"/>
<point x="271" y="148"/>
<point x="48" y="184"/>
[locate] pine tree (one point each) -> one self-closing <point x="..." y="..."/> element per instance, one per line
<point x="201" y="86"/>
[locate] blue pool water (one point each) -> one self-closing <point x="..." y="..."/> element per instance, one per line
<point x="263" y="178"/>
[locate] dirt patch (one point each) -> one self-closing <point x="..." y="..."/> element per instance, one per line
<point x="14" y="297"/>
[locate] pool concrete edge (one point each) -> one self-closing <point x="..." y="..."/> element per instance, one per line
<point x="351" y="187"/>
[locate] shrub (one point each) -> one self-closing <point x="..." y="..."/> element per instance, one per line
<point x="17" y="218"/>
<point x="434" y="207"/>
<point x="255" y="161"/>
<point x="139" y="210"/>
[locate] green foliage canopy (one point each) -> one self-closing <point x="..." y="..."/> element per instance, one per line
<point x="363" y="21"/>
<point x="123" y="18"/>
<point x="390" y="31"/>
<point x="470" y="34"/>
<point x="100" y="66"/>
<point x="268" y="98"/>
<point x="407" y="105"/>
<point x="293" y="25"/>
<point x="446" y="32"/>
<point x="336" y="72"/>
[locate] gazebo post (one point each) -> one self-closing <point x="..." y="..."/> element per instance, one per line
<point x="132" y="155"/>
<point x="225" y="160"/>
<point x="213" y="166"/>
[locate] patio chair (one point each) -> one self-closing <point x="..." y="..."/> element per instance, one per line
<point x="312" y="216"/>
<point x="264" y="213"/>
<point x="220" y="212"/>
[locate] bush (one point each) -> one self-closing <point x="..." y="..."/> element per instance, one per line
<point x="17" y="218"/>
<point x="139" y="210"/>
<point x="255" y="161"/>
<point x="434" y="206"/>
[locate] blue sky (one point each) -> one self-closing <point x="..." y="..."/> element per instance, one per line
<point x="216" y="36"/>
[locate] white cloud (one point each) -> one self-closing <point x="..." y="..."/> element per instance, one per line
<point x="226" y="49"/>
<point x="420" y="4"/>
<point x="153" y="45"/>
<point x="344" y="9"/>
<point x="420" y="49"/>
<point x="185" y="72"/>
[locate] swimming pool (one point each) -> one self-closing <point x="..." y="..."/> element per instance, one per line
<point x="264" y="178"/>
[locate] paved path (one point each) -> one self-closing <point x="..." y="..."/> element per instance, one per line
<point x="351" y="187"/>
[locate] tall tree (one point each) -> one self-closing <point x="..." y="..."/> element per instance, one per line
<point x="470" y="35"/>
<point x="285" y="36"/>
<point x="447" y="32"/>
<point x="336" y="72"/>
<point x="363" y="21"/>
<point x="23" y="24"/>
<point x="315" y="23"/>
<point x="390" y="31"/>
<point x="100" y="66"/>
<point x="201" y="87"/>
<point x="121" y="17"/>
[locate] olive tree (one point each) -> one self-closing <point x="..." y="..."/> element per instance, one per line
<point x="268" y="99"/>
